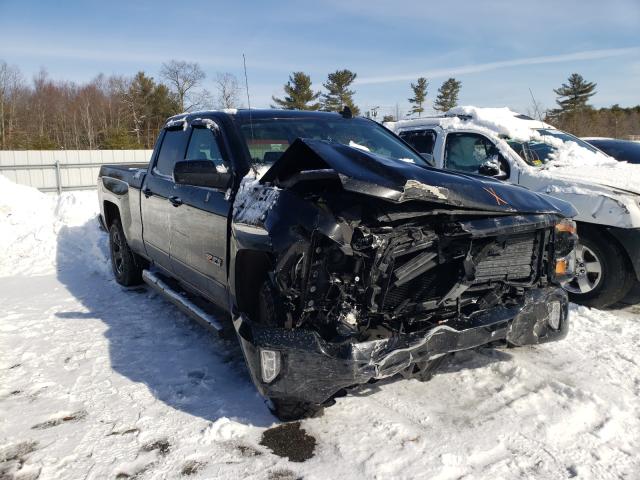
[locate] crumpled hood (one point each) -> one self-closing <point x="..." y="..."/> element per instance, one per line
<point x="400" y="181"/>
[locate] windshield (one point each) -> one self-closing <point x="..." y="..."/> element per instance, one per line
<point x="267" y="139"/>
<point x="539" y="151"/>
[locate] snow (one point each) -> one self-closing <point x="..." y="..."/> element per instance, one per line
<point x="358" y="146"/>
<point x="99" y="381"/>
<point x="502" y="121"/>
<point x="253" y="202"/>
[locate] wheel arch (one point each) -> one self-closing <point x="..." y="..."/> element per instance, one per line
<point x="111" y="212"/>
<point x="251" y="268"/>
<point x="607" y="232"/>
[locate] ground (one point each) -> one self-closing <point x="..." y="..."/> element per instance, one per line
<point x="98" y="381"/>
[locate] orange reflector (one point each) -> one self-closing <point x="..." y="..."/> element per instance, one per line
<point x="568" y="227"/>
<point x="561" y="267"/>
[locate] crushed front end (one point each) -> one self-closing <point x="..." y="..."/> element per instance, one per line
<point x="364" y="289"/>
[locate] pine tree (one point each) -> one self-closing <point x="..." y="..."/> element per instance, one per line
<point x="298" y="94"/>
<point x="574" y="95"/>
<point x="447" y="95"/>
<point x="419" y="95"/>
<point x="338" y="93"/>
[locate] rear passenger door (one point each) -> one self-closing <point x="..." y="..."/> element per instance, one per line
<point x="199" y="224"/>
<point x="157" y="192"/>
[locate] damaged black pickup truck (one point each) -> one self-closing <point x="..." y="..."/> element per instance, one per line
<point x="341" y="256"/>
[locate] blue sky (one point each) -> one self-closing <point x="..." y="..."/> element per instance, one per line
<point x="497" y="48"/>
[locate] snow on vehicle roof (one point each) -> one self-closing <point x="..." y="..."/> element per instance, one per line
<point x="501" y="121"/>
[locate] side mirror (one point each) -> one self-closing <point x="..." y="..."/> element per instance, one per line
<point x="496" y="167"/>
<point x="201" y="173"/>
<point x="489" y="168"/>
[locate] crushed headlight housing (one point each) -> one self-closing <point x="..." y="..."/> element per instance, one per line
<point x="270" y="365"/>
<point x="565" y="241"/>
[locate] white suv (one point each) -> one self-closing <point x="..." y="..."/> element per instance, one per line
<point x="508" y="146"/>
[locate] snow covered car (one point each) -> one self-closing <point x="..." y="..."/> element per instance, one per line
<point x="340" y="255"/>
<point x="502" y="144"/>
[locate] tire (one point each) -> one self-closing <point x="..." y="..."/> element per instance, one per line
<point x="126" y="265"/>
<point x="290" y="410"/>
<point x="603" y="271"/>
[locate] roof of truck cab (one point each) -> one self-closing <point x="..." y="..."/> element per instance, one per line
<point x="255" y="113"/>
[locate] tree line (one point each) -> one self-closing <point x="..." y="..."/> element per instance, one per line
<point x="119" y="112"/>
<point x="576" y="115"/>
<point x="300" y="94"/>
<point x="108" y="112"/>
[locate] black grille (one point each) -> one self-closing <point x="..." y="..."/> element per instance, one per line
<point x="431" y="285"/>
<point x="510" y="259"/>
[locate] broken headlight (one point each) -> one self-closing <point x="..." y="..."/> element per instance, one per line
<point x="565" y="241"/>
<point x="270" y="365"/>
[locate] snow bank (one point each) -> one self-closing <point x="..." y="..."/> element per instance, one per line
<point x="30" y="225"/>
<point x="101" y="382"/>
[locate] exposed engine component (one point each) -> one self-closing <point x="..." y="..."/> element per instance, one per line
<point x="403" y="278"/>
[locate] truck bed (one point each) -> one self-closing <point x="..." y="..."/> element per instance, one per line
<point x="131" y="173"/>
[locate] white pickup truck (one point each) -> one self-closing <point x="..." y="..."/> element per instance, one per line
<point x="500" y="143"/>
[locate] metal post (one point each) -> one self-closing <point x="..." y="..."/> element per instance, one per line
<point x="58" y="180"/>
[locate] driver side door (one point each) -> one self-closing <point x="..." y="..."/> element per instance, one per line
<point x="199" y="224"/>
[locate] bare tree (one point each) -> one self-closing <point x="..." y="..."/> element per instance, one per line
<point x="10" y="83"/>
<point x="184" y="78"/>
<point x="228" y="90"/>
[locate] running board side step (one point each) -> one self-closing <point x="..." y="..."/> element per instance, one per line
<point x="185" y="305"/>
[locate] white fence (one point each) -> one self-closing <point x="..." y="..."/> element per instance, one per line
<point x="58" y="170"/>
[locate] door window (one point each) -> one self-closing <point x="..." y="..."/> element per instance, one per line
<point x="171" y="151"/>
<point x="466" y="152"/>
<point x="204" y="146"/>
<point x="422" y="140"/>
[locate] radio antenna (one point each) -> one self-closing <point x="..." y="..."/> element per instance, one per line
<point x="246" y="84"/>
<point x="535" y="105"/>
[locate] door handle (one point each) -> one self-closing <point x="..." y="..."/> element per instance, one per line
<point x="175" y="201"/>
<point x="147" y="192"/>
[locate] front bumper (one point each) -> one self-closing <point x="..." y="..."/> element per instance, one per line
<point x="314" y="370"/>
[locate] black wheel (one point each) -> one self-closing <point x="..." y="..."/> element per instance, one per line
<point x="127" y="266"/>
<point x="289" y="410"/>
<point x="603" y="271"/>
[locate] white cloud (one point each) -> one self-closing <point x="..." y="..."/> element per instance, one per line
<point x="483" y="67"/>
